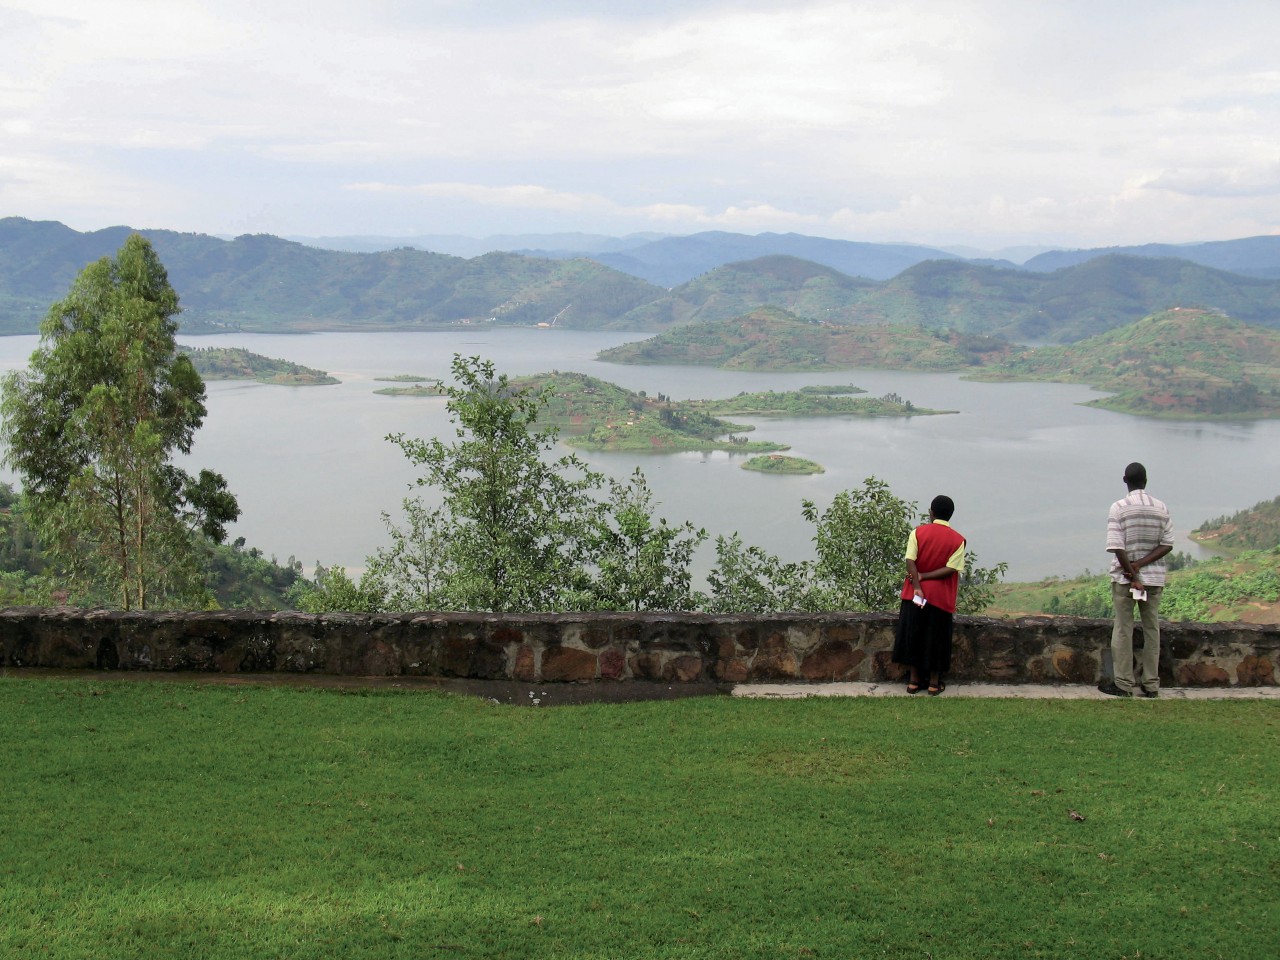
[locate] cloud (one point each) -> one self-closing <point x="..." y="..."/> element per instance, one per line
<point x="924" y="120"/>
<point x="1231" y="182"/>
<point x="524" y="196"/>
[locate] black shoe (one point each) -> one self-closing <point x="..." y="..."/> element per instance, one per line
<point x="1150" y="694"/>
<point x="1111" y="690"/>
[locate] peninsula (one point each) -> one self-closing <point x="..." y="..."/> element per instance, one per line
<point x="236" y="363"/>
<point x="770" y="338"/>
<point x="1181" y="363"/>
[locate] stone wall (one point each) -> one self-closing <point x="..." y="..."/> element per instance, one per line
<point x="672" y="648"/>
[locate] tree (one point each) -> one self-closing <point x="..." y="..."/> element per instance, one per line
<point x="640" y="563"/>
<point x="977" y="584"/>
<point x="91" y="426"/>
<point x="513" y="530"/>
<point x="750" y="580"/>
<point x="860" y="541"/>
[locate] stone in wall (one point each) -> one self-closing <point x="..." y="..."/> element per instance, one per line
<point x="1255" y="671"/>
<point x="568" y="664"/>
<point x="833" y="660"/>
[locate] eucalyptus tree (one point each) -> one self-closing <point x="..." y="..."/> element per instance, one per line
<point x="92" y="426"/>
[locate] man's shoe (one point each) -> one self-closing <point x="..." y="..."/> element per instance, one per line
<point x="1150" y="694"/>
<point x="1111" y="690"/>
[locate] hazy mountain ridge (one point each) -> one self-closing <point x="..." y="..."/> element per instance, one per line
<point x="1066" y="305"/>
<point x="264" y="283"/>
<point x="1249" y="256"/>
<point x="675" y="260"/>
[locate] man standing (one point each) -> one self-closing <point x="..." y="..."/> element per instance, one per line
<point x="1139" y="534"/>
<point x="935" y="560"/>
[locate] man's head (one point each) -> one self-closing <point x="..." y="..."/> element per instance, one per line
<point x="942" y="507"/>
<point x="1135" y="476"/>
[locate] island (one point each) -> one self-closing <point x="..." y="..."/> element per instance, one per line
<point x="776" y="463"/>
<point x="593" y="414"/>
<point x="236" y="363"/>
<point x="808" y="402"/>
<point x="418" y="386"/>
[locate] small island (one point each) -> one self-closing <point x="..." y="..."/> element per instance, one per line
<point x="417" y="386"/>
<point x="236" y="363"/>
<point x="776" y="463"/>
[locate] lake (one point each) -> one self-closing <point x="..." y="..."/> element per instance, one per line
<point x="1032" y="472"/>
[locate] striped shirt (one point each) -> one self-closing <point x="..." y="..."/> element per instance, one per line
<point x="1137" y="525"/>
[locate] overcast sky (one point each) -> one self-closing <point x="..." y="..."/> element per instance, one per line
<point x="979" y="122"/>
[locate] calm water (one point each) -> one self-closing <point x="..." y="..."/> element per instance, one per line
<point x="1031" y="471"/>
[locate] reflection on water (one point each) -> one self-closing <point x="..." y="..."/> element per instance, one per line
<point x="1032" y="471"/>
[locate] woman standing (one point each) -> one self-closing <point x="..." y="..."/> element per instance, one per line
<point x="935" y="560"/>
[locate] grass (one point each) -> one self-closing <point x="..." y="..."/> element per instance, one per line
<point x="206" y="821"/>
<point x="1244" y="587"/>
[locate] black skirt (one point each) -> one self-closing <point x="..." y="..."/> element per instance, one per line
<point x="923" y="638"/>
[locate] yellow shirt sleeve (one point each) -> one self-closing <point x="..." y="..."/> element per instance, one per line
<point x="956" y="560"/>
<point x="913" y="548"/>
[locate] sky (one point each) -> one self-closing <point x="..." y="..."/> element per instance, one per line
<point x="984" y="123"/>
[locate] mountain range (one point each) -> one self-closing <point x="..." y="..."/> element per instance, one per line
<point x="669" y="261"/>
<point x="265" y="283"/>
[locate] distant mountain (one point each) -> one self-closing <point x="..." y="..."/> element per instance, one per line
<point x="1068" y="304"/>
<point x="801" y="286"/>
<point x="1177" y="363"/>
<point x="263" y="283"/>
<point x="558" y="245"/>
<point x="1062" y="306"/>
<point x="676" y="260"/>
<point x="1251" y="256"/>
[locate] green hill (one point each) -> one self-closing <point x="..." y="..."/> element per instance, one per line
<point x="770" y="338"/>
<point x="1179" y="363"/>
<point x="799" y="286"/>
<point x="1063" y="306"/>
<point x="263" y="283"/>
<point x="1257" y="528"/>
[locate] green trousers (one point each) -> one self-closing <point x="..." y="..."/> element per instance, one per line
<point x="1122" y="638"/>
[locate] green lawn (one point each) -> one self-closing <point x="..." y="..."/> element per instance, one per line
<point x="197" y="821"/>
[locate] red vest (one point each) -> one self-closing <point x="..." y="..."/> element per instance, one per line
<point x="935" y="544"/>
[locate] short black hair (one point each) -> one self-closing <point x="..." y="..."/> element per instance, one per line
<point x="1135" y="475"/>
<point x="942" y="507"/>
